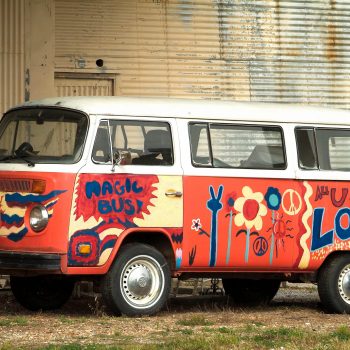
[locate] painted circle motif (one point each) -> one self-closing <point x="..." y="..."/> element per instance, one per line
<point x="274" y="200"/>
<point x="260" y="246"/>
<point x="250" y="209"/>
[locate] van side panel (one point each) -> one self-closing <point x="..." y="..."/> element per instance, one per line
<point x="107" y="206"/>
<point x="263" y="224"/>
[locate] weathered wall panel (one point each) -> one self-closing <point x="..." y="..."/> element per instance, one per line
<point x="259" y="50"/>
<point x="11" y="53"/>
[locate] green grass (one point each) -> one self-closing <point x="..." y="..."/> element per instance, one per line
<point x="220" y="338"/>
<point x="342" y="333"/>
<point x="197" y="333"/>
<point x="14" y="321"/>
<point x="194" y="321"/>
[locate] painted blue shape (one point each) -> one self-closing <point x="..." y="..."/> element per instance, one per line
<point x="214" y="204"/>
<point x="92" y="187"/>
<point x="31" y="198"/>
<point x="127" y="223"/>
<point x="50" y="205"/>
<point x="11" y="219"/>
<point x="320" y="240"/>
<point x="108" y="244"/>
<point x="178" y="262"/>
<point x="342" y="232"/>
<point x="15" y="237"/>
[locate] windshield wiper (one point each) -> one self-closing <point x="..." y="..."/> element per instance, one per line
<point x="22" y="152"/>
<point x="29" y="162"/>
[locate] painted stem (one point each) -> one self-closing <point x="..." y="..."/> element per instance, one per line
<point x="213" y="239"/>
<point x="272" y="248"/>
<point x="247" y="243"/>
<point x="229" y="239"/>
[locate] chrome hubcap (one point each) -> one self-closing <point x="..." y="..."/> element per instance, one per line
<point x="344" y="284"/>
<point x="142" y="282"/>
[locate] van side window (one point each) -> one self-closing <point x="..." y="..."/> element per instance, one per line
<point x="141" y="142"/>
<point x="240" y="146"/>
<point x="323" y="148"/>
<point x="333" y="147"/>
<point x="306" y="147"/>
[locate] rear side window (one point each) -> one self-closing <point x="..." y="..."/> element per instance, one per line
<point x="237" y="146"/>
<point x="141" y="142"/>
<point x="323" y="148"/>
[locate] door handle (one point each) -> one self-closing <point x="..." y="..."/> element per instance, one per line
<point x="173" y="193"/>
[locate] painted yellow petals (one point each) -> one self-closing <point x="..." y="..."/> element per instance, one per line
<point x="250" y="209"/>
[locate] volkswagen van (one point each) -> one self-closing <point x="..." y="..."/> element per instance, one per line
<point x="130" y="192"/>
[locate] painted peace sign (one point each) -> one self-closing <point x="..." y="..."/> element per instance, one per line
<point x="295" y="202"/>
<point x="260" y="246"/>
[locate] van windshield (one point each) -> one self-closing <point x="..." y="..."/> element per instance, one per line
<point x="42" y="135"/>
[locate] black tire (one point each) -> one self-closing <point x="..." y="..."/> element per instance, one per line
<point x="42" y="292"/>
<point x="251" y="292"/>
<point x="138" y="283"/>
<point x="334" y="284"/>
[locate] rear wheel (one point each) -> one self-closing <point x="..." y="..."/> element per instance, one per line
<point x="251" y="292"/>
<point x="334" y="284"/>
<point x="138" y="283"/>
<point x="42" y="292"/>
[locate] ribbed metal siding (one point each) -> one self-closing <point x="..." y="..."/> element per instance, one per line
<point x="11" y="53"/>
<point x="284" y="51"/>
<point x="83" y="87"/>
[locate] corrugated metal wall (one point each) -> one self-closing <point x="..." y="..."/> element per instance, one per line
<point x="262" y="50"/>
<point x="11" y="53"/>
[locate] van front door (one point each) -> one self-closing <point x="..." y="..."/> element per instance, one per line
<point x="141" y="192"/>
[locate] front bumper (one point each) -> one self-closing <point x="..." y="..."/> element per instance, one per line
<point x="14" y="262"/>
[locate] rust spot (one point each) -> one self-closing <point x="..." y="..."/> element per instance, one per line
<point x="331" y="42"/>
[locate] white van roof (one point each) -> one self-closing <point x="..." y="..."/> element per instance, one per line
<point x="198" y="109"/>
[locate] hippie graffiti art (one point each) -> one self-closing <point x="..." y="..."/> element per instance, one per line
<point x="13" y="209"/>
<point x="107" y="205"/>
<point x="279" y="224"/>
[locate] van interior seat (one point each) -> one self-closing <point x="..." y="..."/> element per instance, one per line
<point x="157" y="142"/>
<point x="265" y="157"/>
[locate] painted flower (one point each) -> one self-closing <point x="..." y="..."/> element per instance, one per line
<point x="273" y="198"/>
<point x="230" y="201"/>
<point x="196" y="224"/>
<point x="250" y="209"/>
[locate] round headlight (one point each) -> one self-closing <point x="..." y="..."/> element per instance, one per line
<point x="38" y="218"/>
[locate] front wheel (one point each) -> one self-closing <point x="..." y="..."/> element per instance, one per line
<point x="251" y="292"/>
<point x="42" y="292"/>
<point x="138" y="282"/>
<point x="334" y="284"/>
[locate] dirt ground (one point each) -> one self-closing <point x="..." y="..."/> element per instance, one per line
<point x="84" y="321"/>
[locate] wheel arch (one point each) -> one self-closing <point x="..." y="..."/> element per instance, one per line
<point x="155" y="238"/>
<point x="330" y="257"/>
